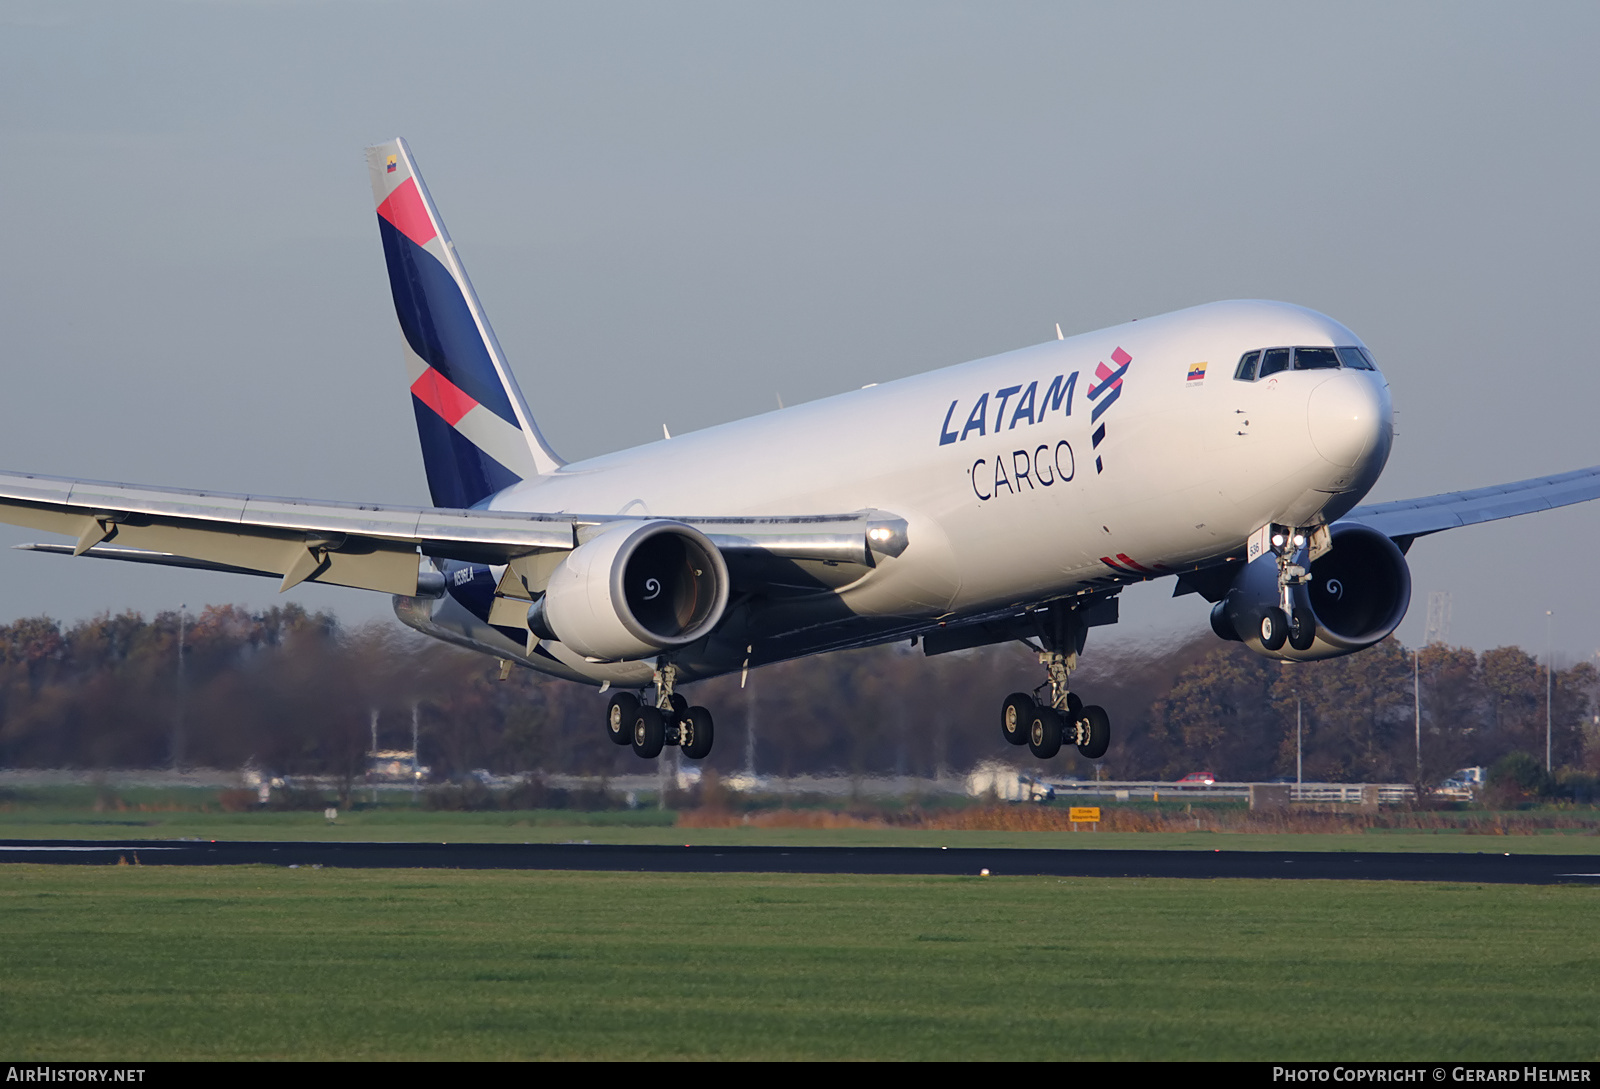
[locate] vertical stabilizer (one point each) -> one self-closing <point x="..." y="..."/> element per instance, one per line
<point x="476" y="432"/>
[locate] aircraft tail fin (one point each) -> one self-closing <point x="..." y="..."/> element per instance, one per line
<point x="477" y="434"/>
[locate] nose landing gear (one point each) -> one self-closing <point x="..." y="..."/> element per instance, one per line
<point x="671" y="721"/>
<point x="1292" y="622"/>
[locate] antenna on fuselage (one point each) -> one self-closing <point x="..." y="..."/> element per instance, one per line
<point x="1058" y="332"/>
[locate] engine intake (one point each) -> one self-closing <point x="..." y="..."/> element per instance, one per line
<point x="1359" y="593"/>
<point x="636" y="589"/>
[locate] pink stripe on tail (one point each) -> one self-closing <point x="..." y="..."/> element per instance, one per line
<point x="404" y="209"/>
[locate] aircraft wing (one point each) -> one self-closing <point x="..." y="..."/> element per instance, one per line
<point x="376" y="547"/>
<point x="1406" y="519"/>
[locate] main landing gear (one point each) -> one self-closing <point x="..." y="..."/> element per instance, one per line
<point x="1287" y="623"/>
<point x="1044" y="726"/>
<point x="670" y="722"/>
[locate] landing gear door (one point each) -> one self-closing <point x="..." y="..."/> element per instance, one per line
<point x="1259" y="544"/>
<point x="1321" y="544"/>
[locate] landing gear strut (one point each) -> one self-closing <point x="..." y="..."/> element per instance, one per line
<point x="670" y="721"/>
<point x="1287" y="623"/>
<point x="1045" y="724"/>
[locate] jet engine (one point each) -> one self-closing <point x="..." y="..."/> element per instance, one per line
<point x="636" y="589"/>
<point x="1358" y="594"/>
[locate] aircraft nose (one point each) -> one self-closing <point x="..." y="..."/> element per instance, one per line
<point x="1348" y="417"/>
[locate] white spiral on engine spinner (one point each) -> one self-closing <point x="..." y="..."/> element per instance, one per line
<point x="1335" y="587"/>
<point x="654" y="586"/>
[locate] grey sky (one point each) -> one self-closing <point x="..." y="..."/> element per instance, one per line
<point x="674" y="212"/>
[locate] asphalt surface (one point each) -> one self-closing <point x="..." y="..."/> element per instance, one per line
<point x="1306" y="865"/>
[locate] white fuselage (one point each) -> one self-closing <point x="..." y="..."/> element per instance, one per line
<point x="1009" y="498"/>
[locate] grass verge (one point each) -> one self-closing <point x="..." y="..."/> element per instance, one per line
<point x="650" y="826"/>
<point x="138" y="963"/>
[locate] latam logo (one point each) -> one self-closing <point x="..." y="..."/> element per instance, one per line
<point x="1104" y="394"/>
<point x="1028" y="408"/>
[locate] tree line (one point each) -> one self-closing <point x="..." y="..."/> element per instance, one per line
<point x="294" y="693"/>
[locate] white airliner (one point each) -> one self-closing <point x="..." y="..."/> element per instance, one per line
<point x="1011" y="498"/>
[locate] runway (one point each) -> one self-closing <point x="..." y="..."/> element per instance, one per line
<point x="908" y="861"/>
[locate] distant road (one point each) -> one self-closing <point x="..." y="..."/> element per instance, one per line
<point x="971" y="861"/>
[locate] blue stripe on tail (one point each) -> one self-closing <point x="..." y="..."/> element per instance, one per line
<point x="459" y="474"/>
<point x="438" y="323"/>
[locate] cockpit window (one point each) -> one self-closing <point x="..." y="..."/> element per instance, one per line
<point x="1274" y="360"/>
<point x="1315" y="359"/>
<point x="1265" y="361"/>
<point x="1356" y="359"/>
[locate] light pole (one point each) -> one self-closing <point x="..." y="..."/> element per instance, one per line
<point x="750" y="734"/>
<point x="178" y="739"/>
<point x="1416" y="702"/>
<point x="416" y="778"/>
<point x="1549" y="768"/>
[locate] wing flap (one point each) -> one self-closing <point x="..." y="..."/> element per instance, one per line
<point x="367" y="564"/>
<point x="490" y="528"/>
<point x="139" y="555"/>
<point x="345" y="544"/>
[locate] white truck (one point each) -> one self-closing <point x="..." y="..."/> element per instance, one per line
<point x="1007" y="784"/>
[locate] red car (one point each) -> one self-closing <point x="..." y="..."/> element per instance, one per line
<point x="1198" y="778"/>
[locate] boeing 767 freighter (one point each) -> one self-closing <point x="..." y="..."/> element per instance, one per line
<point x="1012" y="498"/>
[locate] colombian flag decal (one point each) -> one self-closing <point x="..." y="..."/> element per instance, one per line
<point x="1197" y="372"/>
<point x="391" y="165"/>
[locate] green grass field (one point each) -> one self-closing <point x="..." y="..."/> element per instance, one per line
<point x="49" y="816"/>
<point x="144" y="963"/>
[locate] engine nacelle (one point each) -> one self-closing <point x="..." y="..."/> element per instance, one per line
<point x="1359" y="593"/>
<point x="635" y="590"/>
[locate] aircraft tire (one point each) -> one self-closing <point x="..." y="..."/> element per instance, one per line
<point x="649" y="732"/>
<point x="1274" y="629"/>
<point x="695" y="733"/>
<point x="1302" y="630"/>
<point x="1099" y="732"/>
<point x="1015" y="714"/>
<point x="680" y="707"/>
<point x="620" y="713"/>
<point x="1044" y="733"/>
